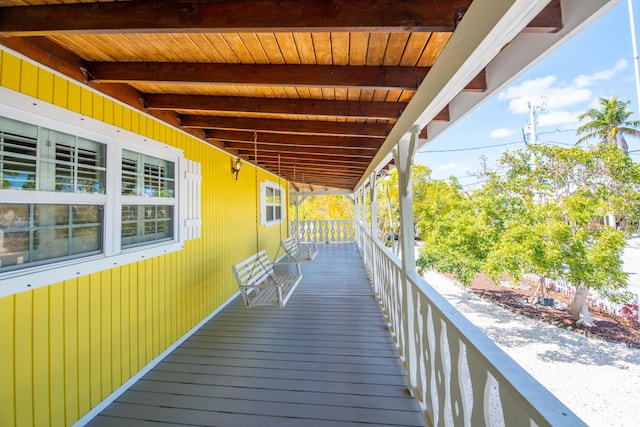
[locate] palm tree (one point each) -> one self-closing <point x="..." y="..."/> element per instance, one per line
<point x="609" y="124"/>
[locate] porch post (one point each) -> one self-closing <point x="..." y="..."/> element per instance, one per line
<point x="373" y="210"/>
<point x="374" y="227"/>
<point x="356" y="217"/>
<point x="403" y="157"/>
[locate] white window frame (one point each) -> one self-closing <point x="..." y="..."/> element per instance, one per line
<point x="186" y="218"/>
<point x="263" y="203"/>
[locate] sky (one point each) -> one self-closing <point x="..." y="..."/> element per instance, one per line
<point x="597" y="62"/>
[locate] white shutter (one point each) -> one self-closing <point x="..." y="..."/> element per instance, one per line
<point x="263" y="203"/>
<point x="192" y="217"/>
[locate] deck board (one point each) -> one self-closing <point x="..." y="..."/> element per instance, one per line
<point x="326" y="359"/>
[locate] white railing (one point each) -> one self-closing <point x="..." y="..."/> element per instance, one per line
<point x="456" y="373"/>
<point x="330" y="231"/>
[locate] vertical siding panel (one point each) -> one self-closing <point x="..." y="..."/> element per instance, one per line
<point x="163" y="301"/>
<point x="115" y="335"/>
<point x="56" y="342"/>
<point x="45" y="86"/>
<point x="29" y="79"/>
<point x="95" y="359"/>
<point x="11" y="66"/>
<point x="108" y="111"/>
<point x="126" y="119"/>
<point x="125" y="322"/>
<point x="71" y="349"/>
<point x="143" y="337"/>
<point x="74" y="98"/>
<point x="117" y="114"/>
<point x="152" y="273"/>
<point x="7" y="338"/>
<point x="134" y="319"/>
<point x="177" y="280"/>
<point x="60" y="91"/>
<point x="41" y="350"/>
<point x="142" y="125"/>
<point x="84" y="346"/>
<point x="105" y="333"/>
<point x="135" y="122"/>
<point x="98" y="107"/>
<point x="86" y="102"/>
<point x="24" y="358"/>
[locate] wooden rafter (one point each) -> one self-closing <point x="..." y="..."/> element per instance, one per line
<point x="344" y="76"/>
<point x="313" y="107"/>
<point x="319" y="153"/>
<point x="317" y="141"/>
<point x="265" y="16"/>
<point x="287" y="126"/>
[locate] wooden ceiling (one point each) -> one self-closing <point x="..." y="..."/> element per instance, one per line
<point x="313" y="87"/>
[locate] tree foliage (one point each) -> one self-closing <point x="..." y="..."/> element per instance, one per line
<point x="388" y="205"/>
<point x="323" y="208"/>
<point x="540" y="213"/>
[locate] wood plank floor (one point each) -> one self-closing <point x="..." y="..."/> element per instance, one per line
<point x="326" y="359"/>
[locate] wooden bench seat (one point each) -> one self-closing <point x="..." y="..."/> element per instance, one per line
<point x="297" y="252"/>
<point x="264" y="283"/>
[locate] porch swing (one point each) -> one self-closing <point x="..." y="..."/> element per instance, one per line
<point x="262" y="282"/>
<point x="293" y="248"/>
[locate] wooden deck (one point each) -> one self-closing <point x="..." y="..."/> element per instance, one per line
<point x="326" y="359"/>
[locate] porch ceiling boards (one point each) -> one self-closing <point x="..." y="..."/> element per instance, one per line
<point x="313" y="87"/>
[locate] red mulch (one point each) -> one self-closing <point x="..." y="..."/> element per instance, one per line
<point x="608" y="326"/>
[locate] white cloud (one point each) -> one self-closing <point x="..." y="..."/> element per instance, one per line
<point x="586" y="80"/>
<point x="556" y="118"/>
<point x="501" y="133"/>
<point x="556" y="96"/>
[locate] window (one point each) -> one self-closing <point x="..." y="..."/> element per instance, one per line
<point x="271" y="203"/>
<point x="80" y="197"/>
<point x="34" y="159"/>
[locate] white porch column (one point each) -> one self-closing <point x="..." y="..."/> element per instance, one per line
<point x="403" y="157"/>
<point x="373" y="206"/>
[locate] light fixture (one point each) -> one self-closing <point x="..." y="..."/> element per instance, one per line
<point x="236" y="166"/>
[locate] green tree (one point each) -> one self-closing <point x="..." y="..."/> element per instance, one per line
<point x="323" y="207"/>
<point x="388" y="200"/>
<point x="609" y="124"/>
<point x="538" y="214"/>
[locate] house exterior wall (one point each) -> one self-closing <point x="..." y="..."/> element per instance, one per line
<point x="66" y="346"/>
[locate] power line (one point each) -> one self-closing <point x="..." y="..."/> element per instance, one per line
<point x="470" y="148"/>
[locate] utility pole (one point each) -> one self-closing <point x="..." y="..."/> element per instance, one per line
<point x="533" y="138"/>
<point x="532" y="124"/>
<point x="635" y="51"/>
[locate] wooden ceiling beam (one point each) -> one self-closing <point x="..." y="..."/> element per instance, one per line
<point x="320" y="141"/>
<point x="236" y="16"/>
<point x="266" y="16"/>
<point x="287" y="126"/>
<point x="284" y="75"/>
<point x="327" y="181"/>
<point x="312" y="107"/>
<point x="247" y="148"/>
<point x="287" y="158"/>
<point x="353" y="171"/>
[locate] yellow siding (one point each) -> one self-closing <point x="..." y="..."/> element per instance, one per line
<point x="67" y="346"/>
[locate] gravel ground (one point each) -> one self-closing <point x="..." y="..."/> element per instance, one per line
<point x="599" y="381"/>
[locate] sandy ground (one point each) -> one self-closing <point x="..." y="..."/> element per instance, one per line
<point x="597" y="380"/>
